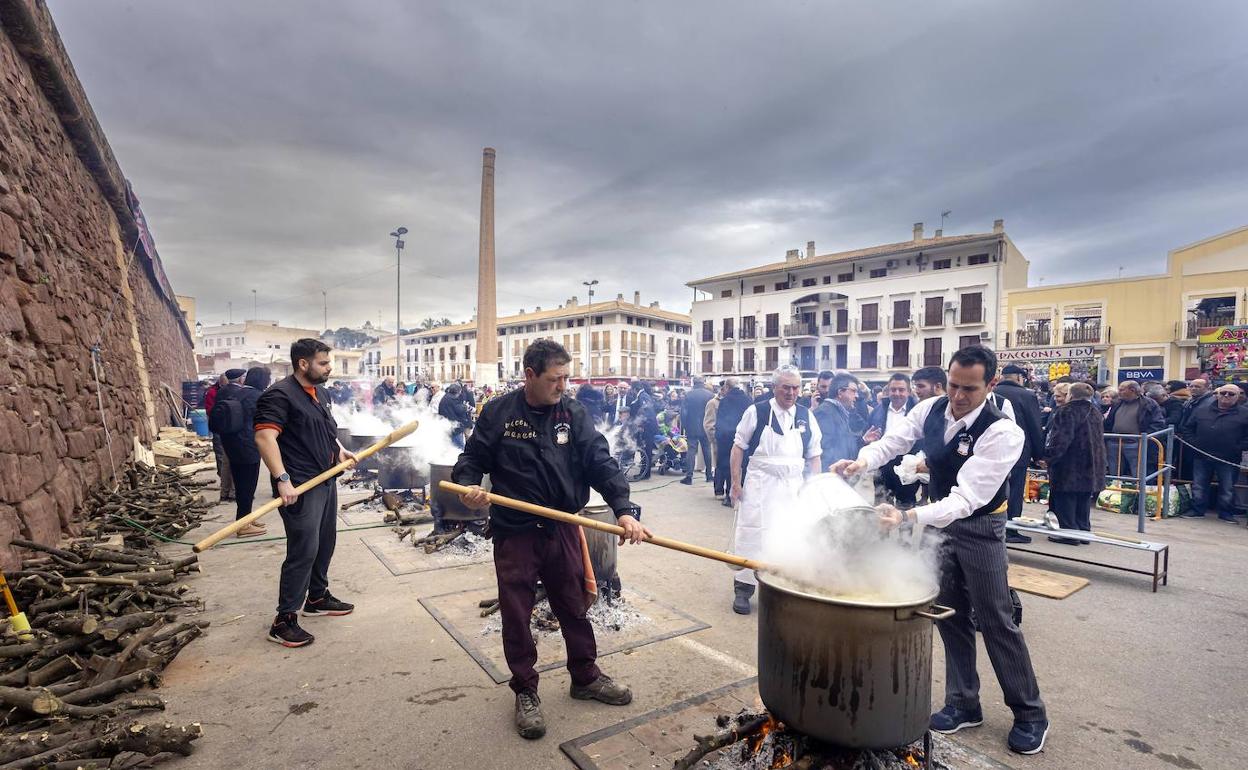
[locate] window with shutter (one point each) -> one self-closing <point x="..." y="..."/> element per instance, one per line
<point x="972" y="308"/>
<point x="931" y="351"/>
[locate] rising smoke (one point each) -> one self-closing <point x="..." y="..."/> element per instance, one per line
<point x="429" y="443"/>
<point x="830" y="544"/>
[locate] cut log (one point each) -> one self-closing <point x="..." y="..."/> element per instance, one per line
<point x="72" y="624"/>
<point x="38" y="701"/>
<point x="106" y="689"/>
<point x="743" y="728"/>
<point x="52" y="672"/>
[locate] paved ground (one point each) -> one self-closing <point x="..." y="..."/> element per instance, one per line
<point x="1132" y="679"/>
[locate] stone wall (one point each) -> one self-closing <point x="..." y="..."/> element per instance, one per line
<point x="67" y="285"/>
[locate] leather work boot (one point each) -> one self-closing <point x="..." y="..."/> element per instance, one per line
<point x="529" y="720"/>
<point x="603" y="689"/>
<point x="741" y="604"/>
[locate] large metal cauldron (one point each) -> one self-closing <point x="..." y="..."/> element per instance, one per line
<point x="358" y="442"/>
<point x="853" y="674"/>
<point x="445" y="505"/>
<point x="603" y="547"/>
<point x="397" y="470"/>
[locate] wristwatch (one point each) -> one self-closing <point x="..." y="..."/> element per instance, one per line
<point x="632" y="510"/>
<point x="284" y="477"/>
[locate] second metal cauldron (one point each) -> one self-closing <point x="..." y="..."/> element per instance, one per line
<point x="853" y="674"/>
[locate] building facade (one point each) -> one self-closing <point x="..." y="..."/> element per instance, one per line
<point x="894" y="307"/>
<point x="226" y="346"/>
<point x="1134" y="328"/>
<point x="607" y="340"/>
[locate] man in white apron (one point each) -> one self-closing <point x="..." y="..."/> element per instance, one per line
<point x="777" y="442"/>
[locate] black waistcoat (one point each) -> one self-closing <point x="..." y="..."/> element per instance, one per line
<point x="945" y="459"/>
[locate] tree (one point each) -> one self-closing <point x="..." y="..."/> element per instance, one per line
<point x="433" y="323"/>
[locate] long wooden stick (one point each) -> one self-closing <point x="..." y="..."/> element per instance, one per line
<point x="572" y="518"/>
<point x="224" y="532"/>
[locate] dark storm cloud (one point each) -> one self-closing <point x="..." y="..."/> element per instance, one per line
<point x="276" y="144"/>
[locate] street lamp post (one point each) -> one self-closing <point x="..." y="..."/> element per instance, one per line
<point x="397" y="235"/>
<point x="589" y="319"/>
<point x="253" y="304"/>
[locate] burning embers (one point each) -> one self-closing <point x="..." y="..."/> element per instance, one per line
<point x="611" y="614"/>
<point x="756" y="741"/>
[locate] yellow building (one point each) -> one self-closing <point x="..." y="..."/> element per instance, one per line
<point x="1133" y="328"/>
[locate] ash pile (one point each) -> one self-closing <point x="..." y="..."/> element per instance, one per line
<point x="610" y="614"/>
<point x="103" y="616"/>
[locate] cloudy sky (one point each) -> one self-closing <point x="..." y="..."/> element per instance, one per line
<point x="276" y="144"/>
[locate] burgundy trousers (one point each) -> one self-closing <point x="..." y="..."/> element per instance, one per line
<point x="551" y="553"/>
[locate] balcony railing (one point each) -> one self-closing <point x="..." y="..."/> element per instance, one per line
<point x="801" y="330"/>
<point x="1090" y="334"/>
<point x="971" y="316"/>
<point x="747" y="333"/>
<point x="1194" y="325"/>
<point x="864" y="325"/>
<point x="899" y="322"/>
<point x="1032" y="337"/>
<point x="827" y="330"/>
<point x="771" y="332"/>
<point x="725" y="336"/>
<point x="704" y="337"/>
<point x="933" y="320"/>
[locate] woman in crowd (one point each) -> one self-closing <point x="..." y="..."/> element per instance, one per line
<point x="242" y="451"/>
<point x="1075" y="454"/>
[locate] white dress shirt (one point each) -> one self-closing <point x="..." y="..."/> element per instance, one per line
<point x="894" y="417"/>
<point x="993" y="457"/>
<point x="786" y="419"/>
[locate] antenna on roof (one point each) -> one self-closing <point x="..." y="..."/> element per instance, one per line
<point x="1120" y="272"/>
<point x="943" y="216"/>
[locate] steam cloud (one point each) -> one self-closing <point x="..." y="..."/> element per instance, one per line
<point x="830" y="548"/>
<point x="429" y="443"/>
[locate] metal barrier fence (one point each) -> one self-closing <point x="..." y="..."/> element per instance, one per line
<point x="1162" y="476"/>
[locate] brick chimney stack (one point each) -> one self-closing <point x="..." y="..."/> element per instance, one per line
<point x="918" y="231"/>
<point x="998" y="226"/>
<point x="487" y="308"/>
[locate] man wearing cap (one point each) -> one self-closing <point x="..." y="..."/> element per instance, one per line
<point x="1026" y="414"/>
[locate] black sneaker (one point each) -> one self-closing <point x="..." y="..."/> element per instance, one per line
<point x="326" y="605"/>
<point x="687" y="480"/>
<point x="286" y="631"/>
<point x="950" y="719"/>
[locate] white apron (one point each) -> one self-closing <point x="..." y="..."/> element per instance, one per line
<point x="772" y="481"/>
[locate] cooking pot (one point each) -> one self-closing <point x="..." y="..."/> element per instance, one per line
<point x="603" y="547"/>
<point x="358" y="442"/>
<point x="850" y="672"/>
<point x="446" y="506"/>
<point x="396" y="469"/>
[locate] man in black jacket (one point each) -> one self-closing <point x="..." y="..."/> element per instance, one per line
<point x="1026" y="416"/>
<point x="1219" y="433"/>
<point x="692" y="413"/>
<point x="453" y="408"/>
<point x="298" y="440"/>
<point x="733" y="402"/>
<point x="894" y="410"/>
<point x="540" y="446"/>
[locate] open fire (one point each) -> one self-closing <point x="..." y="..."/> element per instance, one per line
<point x="757" y="741"/>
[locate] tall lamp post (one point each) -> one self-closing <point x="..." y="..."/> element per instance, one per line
<point x="589" y="319"/>
<point x="397" y="235"/>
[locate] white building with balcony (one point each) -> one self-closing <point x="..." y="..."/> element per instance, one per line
<point x="613" y="340"/>
<point x="872" y="311"/>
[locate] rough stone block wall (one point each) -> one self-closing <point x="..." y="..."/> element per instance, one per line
<point x="61" y="293"/>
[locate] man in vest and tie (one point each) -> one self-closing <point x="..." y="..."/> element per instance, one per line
<point x="776" y="444"/>
<point x="971" y="448"/>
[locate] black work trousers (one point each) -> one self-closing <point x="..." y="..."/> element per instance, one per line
<point x="311" y="532"/>
<point x="551" y="553"/>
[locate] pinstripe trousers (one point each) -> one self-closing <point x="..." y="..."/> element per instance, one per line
<point x="973" y="568"/>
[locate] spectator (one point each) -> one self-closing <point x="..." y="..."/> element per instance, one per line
<point x="692" y="416"/>
<point x="841" y="427"/>
<point x="928" y="382"/>
<point x="225" y="479"/>
<point x="1172" y="408"/>
<point x="594" y="402"/>
<point x="1108" y="397"/>
<point x="241" y="448"/>
<point x="644" y="424"/>
<point x="889" y="415"/>
<point x="436" y="394"/>
<point x="732" y="405"/>
<point x="1075" y="453"/>
<point x="1132" y="414"/>
<point x="453" y="408"/>
<point x="384" y="393"/>
<point x="1218" y="431"/>
<point x="1026" y="414"/>
<point x="708" y="427"/>
<point x="611" y="404"/>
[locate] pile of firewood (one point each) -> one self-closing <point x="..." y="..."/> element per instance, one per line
<point x="161" y="500"/>
<point x="105" y="622"/>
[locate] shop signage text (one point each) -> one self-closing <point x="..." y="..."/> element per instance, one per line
<point x="1048" y="354"/>
<point x="1141" y="374"/>
<point x="1224" y="335"/>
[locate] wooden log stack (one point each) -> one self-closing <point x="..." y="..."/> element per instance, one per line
<point x="107" y="613"/>
<point x="161" y="500"/>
